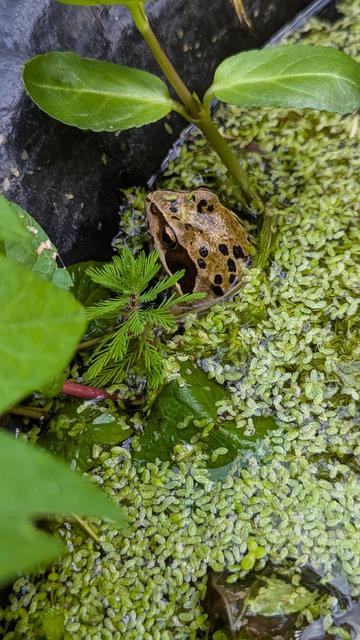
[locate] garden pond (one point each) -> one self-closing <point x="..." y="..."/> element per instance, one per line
<point x="282" y="364"/>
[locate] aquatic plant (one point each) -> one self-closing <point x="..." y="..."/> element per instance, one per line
<point x="139" y="319"/>
<point x="102" y="96"/>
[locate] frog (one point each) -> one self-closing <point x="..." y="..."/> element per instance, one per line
<point x="194" y="231"/>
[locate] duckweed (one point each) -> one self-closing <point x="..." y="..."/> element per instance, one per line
<point x="297" y="361"/>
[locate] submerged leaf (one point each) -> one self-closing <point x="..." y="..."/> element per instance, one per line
<point x="93" y="94"/>
<point x="80" y="425"/>
<point x="298" y="76"/>
<point x="191" y="397"/>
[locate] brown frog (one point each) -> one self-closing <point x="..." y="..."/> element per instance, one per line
<point x="192" y="230"/>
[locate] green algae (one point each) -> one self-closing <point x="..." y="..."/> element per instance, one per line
<point x="298" y="360"/>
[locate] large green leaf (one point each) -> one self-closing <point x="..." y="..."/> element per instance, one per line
<point x="191" y="397"/>
<point x="296" y="76"/>
<point x="34" y="484"/>
<point x="26" y="242"/>
<point x="91" y="94"/>
<point x="127" y="3"/>
<point x="88" y="293"/>
<point x="40" y="326"/>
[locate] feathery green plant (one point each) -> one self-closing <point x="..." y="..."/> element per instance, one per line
<point x="135" y="342"/>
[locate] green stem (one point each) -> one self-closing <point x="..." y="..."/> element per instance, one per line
<point x="225" y="153"/>
<point x="29" y="412"/>
<point x="195" y="111"/>
<point x="142" y="24"/>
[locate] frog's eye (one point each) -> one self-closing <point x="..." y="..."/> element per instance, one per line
<point x="168" y="238"/>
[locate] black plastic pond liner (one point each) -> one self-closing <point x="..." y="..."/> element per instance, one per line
<point x="68" y="179"/>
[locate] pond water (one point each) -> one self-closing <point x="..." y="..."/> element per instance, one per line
<point x="286" y="347"/>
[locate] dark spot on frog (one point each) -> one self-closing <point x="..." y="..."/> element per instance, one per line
<point x="203" y="252"/>
<point x="210" y="208"/>
<point x="201" y="263"/>
<point x="201" y="205"/>
<point x="187" y="226"/>
<point x="232" y="277"/>
<point x="217" y="290"/>
<point x="231" y="264"/>
<point x="238" y="252"/>
<point x="154" y="210"/>
<point x="218" y="279"/>
<point x="223" y="249"/>
<point x="173" y="209"/>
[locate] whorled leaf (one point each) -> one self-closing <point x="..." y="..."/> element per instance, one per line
<point x="40" y="326"/>
<point x="93" y="94"/>
<point x="297" y="76"/>
<point x="34" y="484"/>
<point x="190" y="398"/>
<point x="26" y="242"/>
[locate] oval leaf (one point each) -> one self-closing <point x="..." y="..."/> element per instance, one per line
<point x="97" y="95"/>
<point x="12" y="227"/>
<point x="40" y="326"/>
<point x="289" y="76"/>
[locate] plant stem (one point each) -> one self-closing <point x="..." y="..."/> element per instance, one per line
<point x="225" y="153"/>
<point x="195" y="110"/>
<point x="29" y="412"/>
<point x="92" y="341"/>
<point x="89" y="530"/>
<point x="142" y="24"/>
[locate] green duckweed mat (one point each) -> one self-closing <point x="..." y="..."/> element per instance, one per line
<point x="287" y="346"/>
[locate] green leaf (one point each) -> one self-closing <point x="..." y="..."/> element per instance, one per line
<point x="40" y="326"/>
<point x="26" y="242"/>
<point x="88" y="293"/>
<point x="91" y="94"/>
<point x="191" y="397"/>
<point x="22" y="547"/>
<point x="11" y="224"/>
<point x="85" y="3"/>
<point x="34" y="484"/>
<point x="80" y="425"/>
<point x="298" y="76"/>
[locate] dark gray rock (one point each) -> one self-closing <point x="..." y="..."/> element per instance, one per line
<point x="69" y="179"/>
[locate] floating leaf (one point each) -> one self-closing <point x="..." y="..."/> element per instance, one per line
<point x="79" y="425"/>
<point x="97" y="95"/>
<point x="298" y="76"/>
<point x="194" y="397"/>
<point x="40" y="326"/>
<point x="33" y="484"/>
<point x="26" y="242"/>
